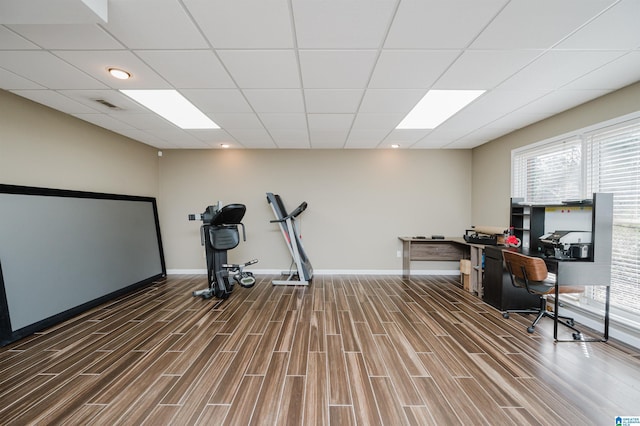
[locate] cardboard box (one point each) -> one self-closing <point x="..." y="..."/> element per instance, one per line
<point x="465" y="272"/>
<point x="465" y="266"/>
<point x="465" y="279"/>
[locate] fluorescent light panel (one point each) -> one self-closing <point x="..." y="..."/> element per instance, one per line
<point x="172" y="106"/>
<point x="436" y="107"/>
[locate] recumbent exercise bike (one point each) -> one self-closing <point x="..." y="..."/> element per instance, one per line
<point x="219" y="233"/>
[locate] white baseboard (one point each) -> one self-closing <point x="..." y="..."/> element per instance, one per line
<point x="328" y="271"/>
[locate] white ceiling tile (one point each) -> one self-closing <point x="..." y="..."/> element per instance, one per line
<point x="90" y="97"/>
<point x="430" y="143"/>
<point x="12" y="81"/>
<point x="335" y="101"/>
<point x="623" y="16"/>
<point x="451" y="132"/>
<point x="292" y="121"/>
<point x="96" y="63"/>
<point x="466" y="143"/>
<point x="328" y="139"/>
<point x="537" y="25"/>
<point x="217" y="100"/>
<point x="484" y="69"/>
<point x="10" y="40"/>
<point x="144" y="137"/>
<point x="365" y="138"/>
<point x="310" y="73"/>
<point x="143" y="121"/>
<point x="440" y="24"/>
<point x="68" y="36"/>
<point x="57" y="12"/>
<point x="188" y="69"/>
<point x="388" y="122"/>
<point x="506" y="124"/>
<point x="626" y="70"/>
<point x="253" y="138"/>
<point x="47" y="70"/>
<point x="405" y="137"/>
<point x="262" y="69"/>
<point x="153" y="24"/>
<point x="410" y="69"/>
<point x="104" y="121"/>
<point x="55" y="100"/>
<point x="244" y="24"/>
<point x="237" y="120"/>
<point x="487" y="133"/>
<point x="560" y="100"/>
<point x="487" y="108"/>
<point x="177" y="136"/>
<point x="342" y="24"/>
<point x="212" y="137"/>
<point x="554" y="69"/>
<point x="275" y="100"/>
<point x="391" y="100"/>
<point x="336" y="69"/>
<point x="291" y="138"/>
<point x="330" y="121"/>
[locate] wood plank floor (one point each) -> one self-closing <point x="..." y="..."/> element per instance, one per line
<point x="346" y="350"/>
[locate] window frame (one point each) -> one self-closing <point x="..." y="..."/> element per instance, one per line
<point x="588" y="136"/>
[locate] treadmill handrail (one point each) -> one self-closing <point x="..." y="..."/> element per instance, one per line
<point x="295" y="213"/>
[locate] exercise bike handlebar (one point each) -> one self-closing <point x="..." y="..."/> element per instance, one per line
<point x="235" y="266"/>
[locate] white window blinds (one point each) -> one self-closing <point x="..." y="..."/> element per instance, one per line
<point x="548" y="173"/>
<point x="613" y="165"/>
<point x="603" y="160"/>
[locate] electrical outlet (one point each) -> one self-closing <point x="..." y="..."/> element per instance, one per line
<point x="399" y="253"/>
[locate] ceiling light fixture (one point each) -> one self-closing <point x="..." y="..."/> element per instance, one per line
<point x="436" y="107"/>
<point x="395" y="146"/>
<point x="119" y="74"/>
<point x="172" y="106"/>
<point x="224" y="145"/>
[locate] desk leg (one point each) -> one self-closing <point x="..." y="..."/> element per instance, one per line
<point x="606" y="314"/>
<point x="406" y="259"/>
<point x="556" y="307"/>
<point x="475" y="253"/>
<point x="605" y="334"/>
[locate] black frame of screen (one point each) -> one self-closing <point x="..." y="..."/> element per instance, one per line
<point x="7" y="334"/>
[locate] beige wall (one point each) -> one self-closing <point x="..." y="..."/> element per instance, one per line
<point x="360" y="201"/>
<point x="46" y="148"/>
<point x="492" y="161"/>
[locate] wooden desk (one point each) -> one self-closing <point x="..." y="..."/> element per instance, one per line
<point x="448" y="249"/>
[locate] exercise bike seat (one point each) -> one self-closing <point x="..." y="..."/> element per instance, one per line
<point x="230" y="214"/>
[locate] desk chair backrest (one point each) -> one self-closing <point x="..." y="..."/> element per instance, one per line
<point x="526" y="271"/>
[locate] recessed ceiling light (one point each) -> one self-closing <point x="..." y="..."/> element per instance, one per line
<point x="172" y="106"/>
<point x="119" y="74"/>
<point x="436" y="107"/>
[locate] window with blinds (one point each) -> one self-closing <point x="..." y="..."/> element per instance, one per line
<point x="605" y="159"/>
<point x="548" y="173"/>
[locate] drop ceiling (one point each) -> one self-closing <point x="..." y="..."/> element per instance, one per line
<point x="313" y="74"/>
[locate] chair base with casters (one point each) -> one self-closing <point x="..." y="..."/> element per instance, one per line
<point x="219" y="233"/>
<point x="531" y="274"/>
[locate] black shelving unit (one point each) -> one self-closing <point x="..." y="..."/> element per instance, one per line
<point x="527" y="222"/>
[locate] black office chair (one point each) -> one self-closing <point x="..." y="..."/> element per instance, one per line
<point x="219" y="233"/>
<point x="531" y="274"/>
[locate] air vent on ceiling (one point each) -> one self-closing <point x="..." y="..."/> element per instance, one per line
<point x="107" y="104"/>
